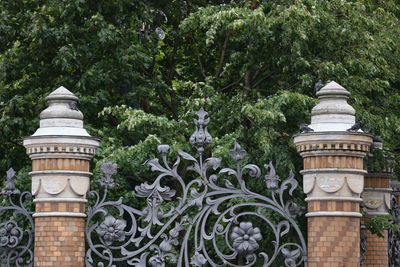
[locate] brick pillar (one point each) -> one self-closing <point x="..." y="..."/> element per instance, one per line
<point x="60" y="150"/>
<point x="333" y="179"/>
<point x="376" y="197"/>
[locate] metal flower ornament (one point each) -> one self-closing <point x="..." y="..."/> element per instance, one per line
<point x="197" y="215"/>
<point x="111" y="230"/>
<point x="16" y="233"/>
<point x="245" y="238"/>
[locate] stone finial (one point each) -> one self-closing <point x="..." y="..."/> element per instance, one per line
<point x="333" y="113"/>
<point x="62" y="116"/>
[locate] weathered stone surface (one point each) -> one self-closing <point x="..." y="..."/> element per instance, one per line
<point x="333" y="113"/>
<point x="62" y="117"/>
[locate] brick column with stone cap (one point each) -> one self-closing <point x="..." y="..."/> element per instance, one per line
<point x="60" y="150"/>
<point x="376" y="197"/>
<point x="333" y="179"/>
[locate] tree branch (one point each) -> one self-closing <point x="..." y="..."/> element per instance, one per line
<point x="262" y="79"/>
<point x="222" y="56"/>
<point x="232" y="84"/>
<point x="201" y="66"/>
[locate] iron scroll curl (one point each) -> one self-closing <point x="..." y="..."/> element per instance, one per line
<point x="393" y="236"/>
<point x="200" y="222"/>
<point x="16" y="232"/>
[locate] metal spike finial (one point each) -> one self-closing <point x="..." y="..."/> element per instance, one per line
<point x="10" y="188"/>
<point x="108" y="169"/>
<point x="237" y="153"/>
<point x="271" y="179"/>
<point x="200" y="138"/>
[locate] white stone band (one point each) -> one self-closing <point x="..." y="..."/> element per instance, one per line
<point x="377" y="189"/>
<point x="59" y="214"/>
<point x="56" y="172"/>
<point x="331" y="152"/>
<point x="62" y="155"/>
<point x="334" y="213"/>
<point x="75" y="200"/>
<point x="338" y="198"/>
<point x="333" y="170"/>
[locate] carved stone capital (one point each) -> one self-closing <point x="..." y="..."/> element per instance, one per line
<point x="377" y="200"/>
<point x="356" y="144"/>
<point x="377" y="193"/>
<point x="43" y="147"/>
<point x="333" y="184"/>
<point x="60" y="184"/>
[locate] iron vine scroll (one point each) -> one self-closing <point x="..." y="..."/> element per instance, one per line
<point x="394" y="237"/>
<point x="212" y="220"/>
<point x="16" y="230"/>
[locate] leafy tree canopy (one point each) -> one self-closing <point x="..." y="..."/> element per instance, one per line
<point x="141" y="67"/>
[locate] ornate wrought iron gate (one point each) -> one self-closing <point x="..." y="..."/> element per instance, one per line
<point x="212" y="220"/>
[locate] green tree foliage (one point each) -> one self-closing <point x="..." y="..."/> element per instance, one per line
<point x="253" y="64"/>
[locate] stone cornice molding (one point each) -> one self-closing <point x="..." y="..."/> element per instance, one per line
<point x="332" y="143"/>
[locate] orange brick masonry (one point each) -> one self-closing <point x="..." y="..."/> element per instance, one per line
<point x="333" y="241"/>
<point x="59" y="241"/>
<point x="333" y="206"/>
<point x="377" y="250"/>
<point x="60" y="164"/>
<point x="333" y="162"/>
<point x="377" y="247"/>
<point x="60" y="206"/>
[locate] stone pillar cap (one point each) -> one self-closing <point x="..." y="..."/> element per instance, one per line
<point x="61" y="93"/>
<point x="333" y="89"/>
<point x="332" y="113"/>
<point x="62" y="116"/>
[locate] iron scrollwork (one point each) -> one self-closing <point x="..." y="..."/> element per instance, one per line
<point x="16" y="231"/>
<point x="394" y="237"/>
<point x="363" y="248"/>
<point x="214" y="220"/>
